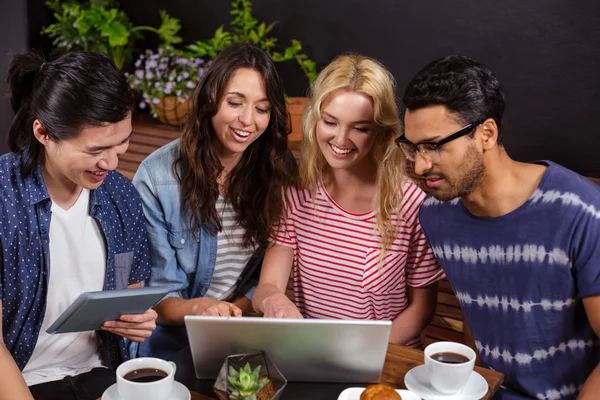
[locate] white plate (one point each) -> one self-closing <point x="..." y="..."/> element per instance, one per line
<point x="179" y="392"/>
<point x="354" y="394"/>
<point x="417" y="381"/>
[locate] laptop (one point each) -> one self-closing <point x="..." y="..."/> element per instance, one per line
<point x="304" y="350"/>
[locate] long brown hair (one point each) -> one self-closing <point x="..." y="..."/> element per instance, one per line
<point x="255" y="184"/>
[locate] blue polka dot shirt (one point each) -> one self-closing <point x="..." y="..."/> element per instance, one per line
<point x="24" y="253"/>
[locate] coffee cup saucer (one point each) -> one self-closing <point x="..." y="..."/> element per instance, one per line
<point x="417" y="381"/>
<point x="180" y="392"/>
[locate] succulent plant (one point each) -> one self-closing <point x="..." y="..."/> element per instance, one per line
<point x="245" y="383"/>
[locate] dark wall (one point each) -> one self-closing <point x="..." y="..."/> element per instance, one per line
<point x="546" y="53"/>
<point x="13" y="38"/>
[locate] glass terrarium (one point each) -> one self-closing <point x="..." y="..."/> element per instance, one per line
<point x="242" y="377"/>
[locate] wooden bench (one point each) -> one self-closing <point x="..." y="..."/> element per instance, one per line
<point x="149" y="134"/>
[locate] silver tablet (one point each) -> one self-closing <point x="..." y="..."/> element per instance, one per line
<point x="304" y="350"/>
<point x="91" y="309"/>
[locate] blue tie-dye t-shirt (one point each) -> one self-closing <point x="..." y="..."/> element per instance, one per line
<point x="520" y="279"/>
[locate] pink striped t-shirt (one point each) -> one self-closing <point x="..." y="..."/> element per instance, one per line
<point x="337" y="272"/>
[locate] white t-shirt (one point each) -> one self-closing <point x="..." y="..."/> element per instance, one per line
<point x="77" y="265"/>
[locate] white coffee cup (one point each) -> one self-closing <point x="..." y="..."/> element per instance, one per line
<point x="449" y="378"/>
<point x="157" y="390"/>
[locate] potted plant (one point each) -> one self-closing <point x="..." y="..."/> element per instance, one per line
<point x="165" y="80"/>
<point x="249" y="376"/>
<point x="100" y="26"/>
<point x="246" y="28"/>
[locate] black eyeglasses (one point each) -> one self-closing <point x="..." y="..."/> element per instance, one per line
<point x="429" y="150"/>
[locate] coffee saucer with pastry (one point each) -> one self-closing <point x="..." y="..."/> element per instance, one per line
<point x="378" y="391"/>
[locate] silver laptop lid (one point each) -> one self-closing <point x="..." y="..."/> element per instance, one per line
<point x="304" y="350"/>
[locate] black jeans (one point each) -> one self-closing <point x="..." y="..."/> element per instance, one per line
<point x="87" y="386"/>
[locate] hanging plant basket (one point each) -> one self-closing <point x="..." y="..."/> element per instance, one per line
<point x="172" y="111"/>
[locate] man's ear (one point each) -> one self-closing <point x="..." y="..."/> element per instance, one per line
<point x="489" y="134"/>
<point x="40" y="133"/>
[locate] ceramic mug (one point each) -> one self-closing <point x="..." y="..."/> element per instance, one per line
<point x="157" y="390"/>
<point x="449" y="378"/>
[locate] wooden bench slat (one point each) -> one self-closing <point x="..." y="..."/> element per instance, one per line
<point x="128" y="165"/>
<point x="156" y="132"/>
<point x="444" y="334"/>
<point x="448" y="299"/>
<point x="449" y="311"/>
<point x="141" y="148"/>
<point x="445" y="287"/>
<point x="128" y="174"/>
<point x="448" y="323"/>
<point x="133" y="157"/>
<point x="171" y="135"/>
<point x="149" y="140"/>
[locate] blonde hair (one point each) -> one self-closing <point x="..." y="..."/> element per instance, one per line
<point x="368" y="77"/>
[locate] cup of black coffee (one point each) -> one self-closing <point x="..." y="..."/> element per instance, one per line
<point x="449" y="366"/>
<point x="145" y="378"/>
<point x="145" y="375"/>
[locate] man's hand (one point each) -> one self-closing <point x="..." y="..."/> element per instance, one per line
<point x="277" y="305"/>
<point x="135" y="327"/>
<point x="208" y="306"/>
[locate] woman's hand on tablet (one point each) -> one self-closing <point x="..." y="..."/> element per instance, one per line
<point x="277" y="305"/>
<point x="208" y="306"/>
<point x="135" y="327"/>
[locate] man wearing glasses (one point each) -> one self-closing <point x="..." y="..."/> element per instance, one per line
<point x="519" y="242"/>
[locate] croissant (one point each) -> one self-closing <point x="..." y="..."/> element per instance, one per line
<point x="380" y="392"/>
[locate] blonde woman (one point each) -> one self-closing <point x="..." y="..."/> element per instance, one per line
<point x="351" y="232"/>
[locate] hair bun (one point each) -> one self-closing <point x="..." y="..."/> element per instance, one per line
<point x="23" y="72"/>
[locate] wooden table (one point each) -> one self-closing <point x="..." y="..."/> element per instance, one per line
<point x="398" y="362"/>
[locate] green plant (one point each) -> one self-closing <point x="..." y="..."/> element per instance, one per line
<point x="98" y="25"/>
<point x="245" y="383"/>
<point x="247" y="29"/>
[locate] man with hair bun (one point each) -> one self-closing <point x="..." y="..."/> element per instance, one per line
<point x="69" y="224"/>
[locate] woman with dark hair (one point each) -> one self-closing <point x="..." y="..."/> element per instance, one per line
<point x="211" y="198"/>
<point x="68" y="224"/>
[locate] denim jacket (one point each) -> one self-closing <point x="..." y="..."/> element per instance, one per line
<point x="177" y="257"/>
